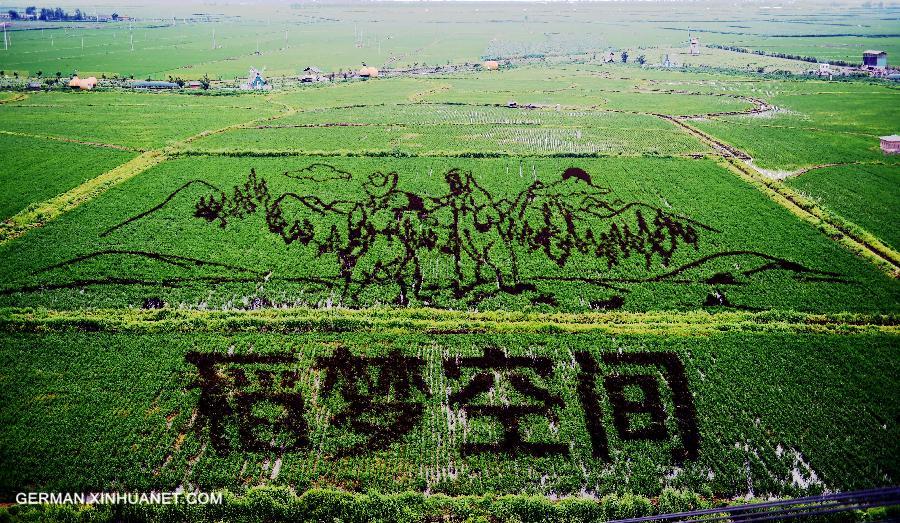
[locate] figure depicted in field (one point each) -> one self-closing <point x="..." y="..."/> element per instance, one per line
<point x="370" y="238"/>
<point x="381" y="235"/>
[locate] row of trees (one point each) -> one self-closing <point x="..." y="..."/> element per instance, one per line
<point x="51" y="14"/>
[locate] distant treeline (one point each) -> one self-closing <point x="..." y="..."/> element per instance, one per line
<point x="811" y="59"/>
<point x="51" y="14"/>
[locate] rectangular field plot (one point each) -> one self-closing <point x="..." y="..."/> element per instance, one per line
<point x="29" y="177"/>
<point x="138" y="120"/>
<point x="457" y="414"/>
<point x="521" y="234"/>
<point x="435" y="130"/>
<point x="788" y="143"/>
<point x="864" y="194"/>
<point x="584" y="92"/>
<point x="435" y="113"/>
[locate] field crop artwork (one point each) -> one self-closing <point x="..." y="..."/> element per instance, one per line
<point x="466" y="244"/>
<point x="257" y="403"/>
<point x="467" y="262"/>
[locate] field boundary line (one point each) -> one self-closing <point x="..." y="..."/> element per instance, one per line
<point x="387" y="153"/>
<point x="845" y="232"/>
<point x="38" y="214"/>
<point x="74" y="141"/>
<point x="848" y="234"/>
<point x="388" y="320"/>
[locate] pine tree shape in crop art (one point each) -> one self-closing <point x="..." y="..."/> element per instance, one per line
<point x="362" y="239"/>
<point x="389" y="238"/>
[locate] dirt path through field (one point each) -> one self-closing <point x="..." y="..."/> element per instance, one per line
<point x="436" y="321"/>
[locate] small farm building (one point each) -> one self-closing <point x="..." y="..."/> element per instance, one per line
<point x="85" y="84"/>
<point x="368" y="72"/>
<point x="890" y="144"/>
<point x="491" y="65"/>
<point x="255" y="81"/>
<point x="35" y="86"/>
<point x="695" y="46"/>
<point x="875" y="59"/>
<point x="194" y="84"/>
<point x="313" y="74"/>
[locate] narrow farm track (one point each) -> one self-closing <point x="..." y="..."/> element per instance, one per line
<point x="438" y="321"/>
<point x="847" y="233"/>
<point x="38" y="214"/>
<point x="803" y="170"/>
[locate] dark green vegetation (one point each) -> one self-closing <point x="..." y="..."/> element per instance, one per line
<point x="396" y="191"/>
<point x="145" y="239"/>
<point x="66" y="427"/>
<point x="277" y="504"/>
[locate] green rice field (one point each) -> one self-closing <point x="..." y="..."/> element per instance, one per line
<point x="565" y="290"/>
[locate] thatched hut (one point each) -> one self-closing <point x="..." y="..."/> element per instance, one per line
<point x="85" y="84"/>
<point x="368" y="72"/>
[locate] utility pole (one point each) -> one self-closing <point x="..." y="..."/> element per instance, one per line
<point x="214" y="38"/>
<point x="5" y="40"/>
<point x="132" y="41"/>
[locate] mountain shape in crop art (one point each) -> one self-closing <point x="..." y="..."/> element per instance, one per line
<point x="462" y="244"/>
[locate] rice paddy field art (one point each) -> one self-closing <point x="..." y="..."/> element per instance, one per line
<point x="449" y="262"/>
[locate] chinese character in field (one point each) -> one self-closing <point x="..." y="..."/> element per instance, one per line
<point x="638" y="419"/>
<point x="493" y="366"/>
<point x="255" y="393"/>
<point x="382" y="395"/>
